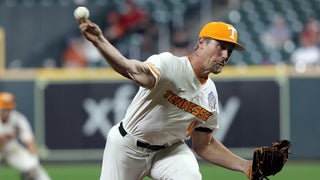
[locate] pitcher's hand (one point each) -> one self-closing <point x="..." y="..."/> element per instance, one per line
<point x="91" y="31"/>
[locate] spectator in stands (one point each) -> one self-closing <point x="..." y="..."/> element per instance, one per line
<point x="310" y="35"/>
<point x="180" y="44"/>
<point x="308" y="53"/>
<point x="80" y="54"/>
<point x="133" y="16"/>
<point x="148" y="29"/>
<point x="277" y="34"/>
<point x="115" y="29"/>
<point x="73" y="57"/>
<point x="128" y="19"/>
<point x="132" y="29"/>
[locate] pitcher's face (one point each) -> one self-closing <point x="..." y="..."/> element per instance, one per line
<point x="216" y="54"/>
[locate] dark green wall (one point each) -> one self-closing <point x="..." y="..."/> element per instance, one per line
<point x="305" y="117"/>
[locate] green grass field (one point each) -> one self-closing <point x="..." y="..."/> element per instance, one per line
<point x="291" y="171"/>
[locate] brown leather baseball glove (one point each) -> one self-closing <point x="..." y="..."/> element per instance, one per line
<point x="269" y="160"/>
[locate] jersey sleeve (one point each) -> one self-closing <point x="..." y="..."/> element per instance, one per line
<point x="25" y="131"/>
<point x="203" y="129"/>
<point x="161" y="65"/>
<point x="212" y="123"/>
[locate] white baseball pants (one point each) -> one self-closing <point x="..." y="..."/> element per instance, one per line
<point x="123" y="160"/>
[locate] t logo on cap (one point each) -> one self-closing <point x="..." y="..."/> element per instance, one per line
<point x="233" y="31"/>
<point x="221" y="31"/>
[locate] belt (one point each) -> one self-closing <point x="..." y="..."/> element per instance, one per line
<point x="123" y="132"/>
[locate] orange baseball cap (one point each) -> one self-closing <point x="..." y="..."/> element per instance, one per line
<point x="223" y="32"/>
<point x="7" y="100"/>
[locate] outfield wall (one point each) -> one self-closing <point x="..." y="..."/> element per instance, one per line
<point x="71" y="111"/>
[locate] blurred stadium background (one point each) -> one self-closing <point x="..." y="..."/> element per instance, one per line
<point x="71" y="105"/>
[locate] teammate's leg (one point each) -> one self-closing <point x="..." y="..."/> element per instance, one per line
<point x="41" y="173"/>
<point x="20" y="158"/>
<point x="122" y="159"/>
<point x="27" y="175"/>
<point x="175" y="162"/>
<point x="36" y="173"/>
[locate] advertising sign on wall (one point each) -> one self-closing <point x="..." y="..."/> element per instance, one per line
<point x="250" y="113"/>
<point x="78" y="116"/>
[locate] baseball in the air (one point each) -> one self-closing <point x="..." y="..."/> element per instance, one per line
<point x="81" y="13"/>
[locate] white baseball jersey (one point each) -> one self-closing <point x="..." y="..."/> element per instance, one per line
<point x="14" y="153"/>
<point x="175" y="106"/>
<point x="17" y="124"/>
